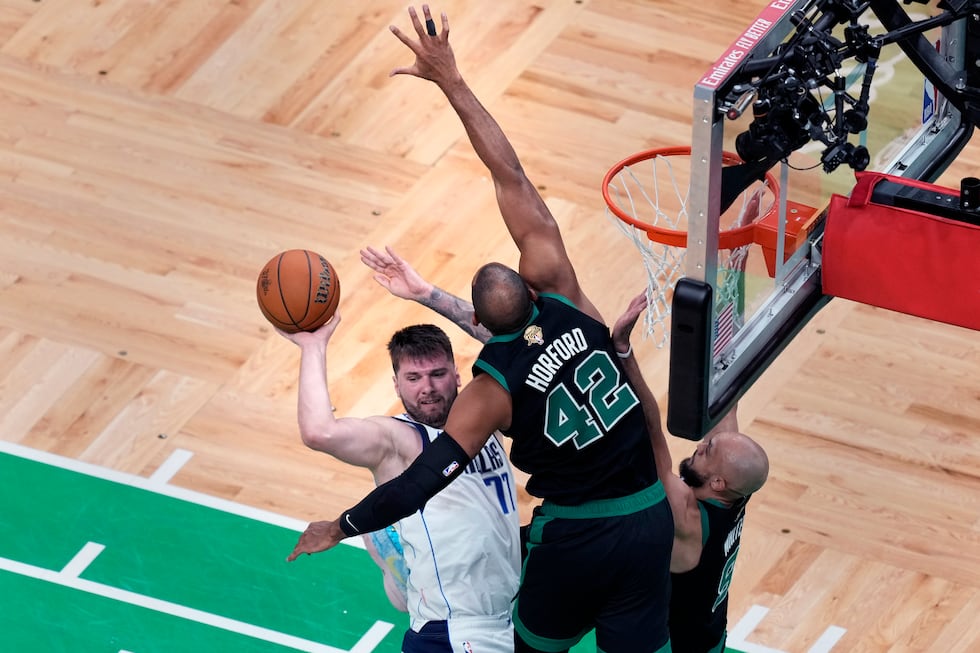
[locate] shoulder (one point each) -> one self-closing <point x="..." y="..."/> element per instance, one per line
<point x="402" y="437"/>
<point x="684" y="505"/>
<point x="573" y="300"/>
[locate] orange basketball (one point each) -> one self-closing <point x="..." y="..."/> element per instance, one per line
<point x="298" y="290"/>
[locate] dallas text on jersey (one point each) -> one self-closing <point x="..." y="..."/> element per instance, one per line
<point x="490" y="458"/>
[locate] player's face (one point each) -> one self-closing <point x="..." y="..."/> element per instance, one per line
<point x="695" y="470"/>
<point x="427" y="388"/>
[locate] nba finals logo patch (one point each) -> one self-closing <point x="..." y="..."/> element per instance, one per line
<point x="534" y="335"/>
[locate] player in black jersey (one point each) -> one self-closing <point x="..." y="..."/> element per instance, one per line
<point x="708" y="502"/>
<point x="727" y="468"/>
<point x="550" y="378"/>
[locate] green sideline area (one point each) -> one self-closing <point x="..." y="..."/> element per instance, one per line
<point x="96" y="564"/>
<point x="173" y="576"/>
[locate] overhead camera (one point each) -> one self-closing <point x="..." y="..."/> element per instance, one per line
<point x="780" y="124"/>
<point x="789" y="85"/>
<point x="856" y="156"/>
<point x="798" y="92"/>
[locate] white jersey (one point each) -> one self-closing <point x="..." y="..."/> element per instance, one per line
<point x="462" y="549"/>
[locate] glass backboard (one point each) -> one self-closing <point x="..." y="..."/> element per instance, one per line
<point x="808" y="93"/>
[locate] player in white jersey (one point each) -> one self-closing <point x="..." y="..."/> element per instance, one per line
<point x="467" y="531"/>
<point x="462" y="551"/>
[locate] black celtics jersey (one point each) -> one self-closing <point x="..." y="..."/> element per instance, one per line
<point x="577" y="426"/>
<point x="699" y="598"/>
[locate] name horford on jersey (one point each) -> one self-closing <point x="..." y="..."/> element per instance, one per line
<point x="556" y="354"/>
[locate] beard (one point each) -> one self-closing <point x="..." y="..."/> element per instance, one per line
<point x="430" y="414"/>
<point x="689" y="475"/>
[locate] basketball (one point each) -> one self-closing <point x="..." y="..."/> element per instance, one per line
<point x="298" y="290"/>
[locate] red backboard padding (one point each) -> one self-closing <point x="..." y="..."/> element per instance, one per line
<point x="900" y="259"/>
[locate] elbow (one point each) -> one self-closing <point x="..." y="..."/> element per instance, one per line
<point x="311" y="440"/>
<point x="314" y="438"/>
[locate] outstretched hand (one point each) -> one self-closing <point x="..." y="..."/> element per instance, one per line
<point x="434" y="58"/>
<point x="395" y="274"/>
<point x="318" y="536"/>
<point x="322" y="334"/>
<point x="624" y="325"/>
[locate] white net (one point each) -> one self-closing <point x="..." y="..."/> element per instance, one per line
<point x="653" y="192"/>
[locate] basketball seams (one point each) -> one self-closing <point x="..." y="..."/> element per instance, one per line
<point x="276" y="322"/>
<point x="282" y="294"/>
<point x="297" y="284"/>
<point x="310" y="283"/>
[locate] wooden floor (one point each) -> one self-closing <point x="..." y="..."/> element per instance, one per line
<point x="155" y="153"/>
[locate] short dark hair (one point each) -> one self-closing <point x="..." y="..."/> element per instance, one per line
<point x="501" y="299"/>
<point x="418" y="341"/>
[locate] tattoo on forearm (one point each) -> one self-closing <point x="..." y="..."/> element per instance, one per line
<point x="456" y="309"/>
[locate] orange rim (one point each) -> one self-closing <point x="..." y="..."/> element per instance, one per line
<point x="727" y="238"/>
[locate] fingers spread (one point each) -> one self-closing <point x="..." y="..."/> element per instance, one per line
<point x="430" y="25"/>
<point x="402" y="37"/>
<point x="415" y="19"/>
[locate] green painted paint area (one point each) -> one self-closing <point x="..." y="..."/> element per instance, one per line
<point x="56" y="619"/>
<point x="176" y="551"/>
<point x="180" y="552"/>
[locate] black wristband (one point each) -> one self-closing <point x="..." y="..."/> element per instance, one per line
<point x="437" y="466"/>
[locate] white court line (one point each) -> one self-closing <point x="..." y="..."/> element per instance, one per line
<point x="372" y="637"/>
<point x="190" y="496"/>
<point x="68" y="575"/>
<point x="744" y="628"/>
<point x="171" y="466"/>
<point x="739" y="632"/>
<point x="82" y="560"/>
<point x="826" y="642"/>
<point x="365" y="644"/>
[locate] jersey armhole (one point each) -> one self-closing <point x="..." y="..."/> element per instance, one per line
<point x="560" y="298"/>
<point x="705" y="529"/>
<point x="419" y="428"/>
<point x="486" y="368"/>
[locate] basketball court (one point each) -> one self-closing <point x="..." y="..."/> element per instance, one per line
<point x="155" y="155"/>
<point x="101" y="560"/>
<point x="116" y="575"/>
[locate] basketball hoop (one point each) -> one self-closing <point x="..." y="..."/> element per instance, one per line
<point x="647" y="193"/>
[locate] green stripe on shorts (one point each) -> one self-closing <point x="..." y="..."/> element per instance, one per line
<point x="617" y="507"/>
<point x="544" y="643"/>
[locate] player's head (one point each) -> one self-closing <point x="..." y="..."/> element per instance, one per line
<point x="426" y="378"/>
<point x="502" y="302"/>
<point x="728" y="465"/>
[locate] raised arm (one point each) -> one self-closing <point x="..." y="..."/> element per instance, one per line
<point x="621" y="339"/>
<point x="481" y="408"/>
<point x="368" y="442"/>
<point x="400" y="279"/>
<point x="544" y="263"/>
<point x="728" y="423"/>
<point x="686" y="551"/>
